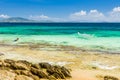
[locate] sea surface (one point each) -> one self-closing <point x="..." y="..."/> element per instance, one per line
<point x="89" y="36"/>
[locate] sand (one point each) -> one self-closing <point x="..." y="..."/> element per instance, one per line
<point x="84" y="65"/>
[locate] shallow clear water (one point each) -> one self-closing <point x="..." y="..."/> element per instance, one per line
<point x="92" y="36"/>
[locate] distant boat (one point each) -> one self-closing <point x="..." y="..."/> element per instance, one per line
<point x="85" y="36"/>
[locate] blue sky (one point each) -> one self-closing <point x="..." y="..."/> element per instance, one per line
<point x="61" y="10"/>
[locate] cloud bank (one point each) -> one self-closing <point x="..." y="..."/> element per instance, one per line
<point x="96" y="16"/>
<point x="45" y="18"/>
<point x="4" y="16"/>
<point x="92" y="15"/>
<point x="40" y="17"/>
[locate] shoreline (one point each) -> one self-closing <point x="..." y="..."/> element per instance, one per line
<point x="58" y="47"/>
<point x="80" y="61"/>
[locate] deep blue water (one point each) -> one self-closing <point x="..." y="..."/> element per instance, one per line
<point x="98" y="29"/>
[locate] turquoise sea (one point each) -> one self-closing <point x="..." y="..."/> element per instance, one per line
<point x="89" y="36"/>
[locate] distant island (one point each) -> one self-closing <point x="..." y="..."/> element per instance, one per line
<point x="20" y="19"/>
<point x="26" y="20"/>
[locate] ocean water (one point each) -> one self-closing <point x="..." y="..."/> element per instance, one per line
<point x="90" y="36"/>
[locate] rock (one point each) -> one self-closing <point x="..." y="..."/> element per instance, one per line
<point x="39" y="73"/>
<point x="58" y="75"/>
<point x="19" y="66"/>
<point x="18" y="72"/>
<point x="1" y="54"/>
<point x="110" y="78"/>
<point x="26" y="73"/>
<point x="22" y="72"/>
<point x="52" y="78"/>
<point x="6" y="75"/>
<point x="24" y="62"/>
<point x="35" y="77"/>
<point x="66" y="72"/>
<point x="1" y="63"/>
<point x="54" y="69"/>
<point x="51" y="71"/>
<point x="34" y="71"/>
<point x="35" y="66"/>
<point x="45" y="65"/>
<point x="23" y="77"/>
<point x="59" y="72"/>
<point x="9" y="61"/>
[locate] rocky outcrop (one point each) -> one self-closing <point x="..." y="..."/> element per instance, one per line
<point x="110" y="78"/>
<point x="27" y="71"/>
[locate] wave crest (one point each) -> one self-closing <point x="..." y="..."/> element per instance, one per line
<point x="84" y="35"/>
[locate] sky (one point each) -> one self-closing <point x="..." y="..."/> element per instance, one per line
<point x="62" y="10"/>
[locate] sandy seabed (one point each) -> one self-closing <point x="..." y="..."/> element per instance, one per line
<point x="84" y="65"/>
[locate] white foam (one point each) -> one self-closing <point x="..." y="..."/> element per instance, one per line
<point x="85" y="36"/>
<point x="104" y="66"/>
<point x="60" y="63"/>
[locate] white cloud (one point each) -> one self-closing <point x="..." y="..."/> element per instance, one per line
<point x="116" y="9"/>
<point x="95" y="13"/>
<point x="45" y="18"/>
<point x="114" y="15"/>
<point x="77" y="14"/>
<point x="96" y="16"/>
<point x="92" y="15"/>
<point x="41" y="17"/>
<point x="4" y="16"/>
